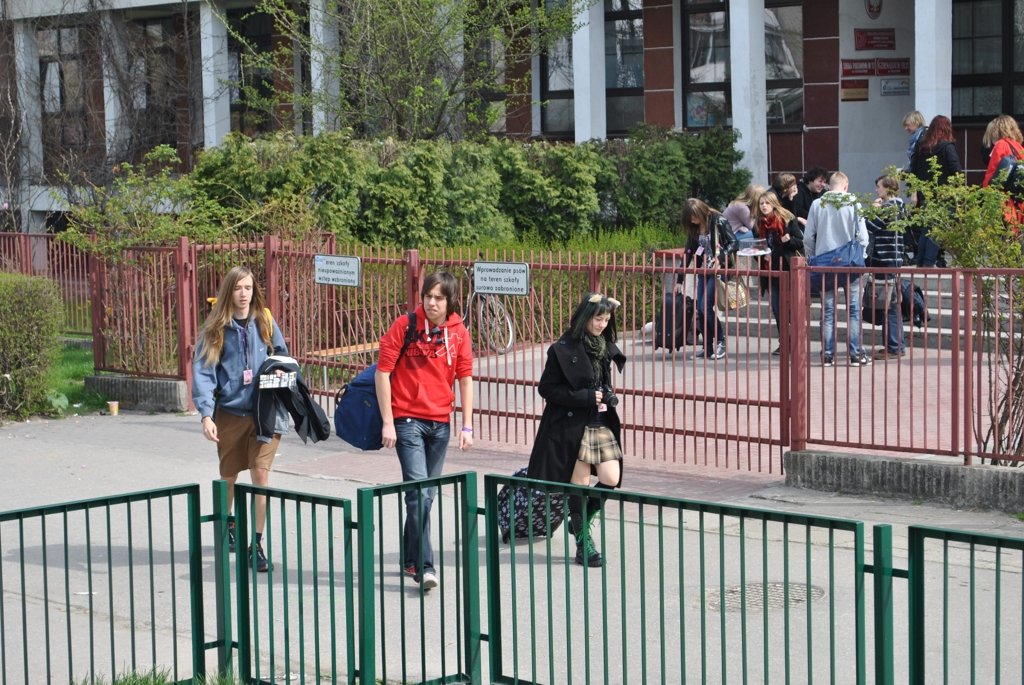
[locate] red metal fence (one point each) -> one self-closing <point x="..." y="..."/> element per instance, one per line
<point x="956" y="391"/>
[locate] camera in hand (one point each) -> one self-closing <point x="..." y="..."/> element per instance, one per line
<point x="608" y="395"/>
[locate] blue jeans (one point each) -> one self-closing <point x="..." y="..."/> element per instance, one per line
<point x="894" y="339"/>
<point x="421" y="447"/>
<point x="773" y="300"/>
<point x="710" y="327"/>
<point x="851" y="285"/>
<point x="927" y="250"/>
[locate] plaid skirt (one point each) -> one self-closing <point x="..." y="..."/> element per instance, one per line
<point x="599" y="445"/>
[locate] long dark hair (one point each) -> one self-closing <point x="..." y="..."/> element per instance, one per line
<point x="940" y="130"/>
<point x="593" y="304"/>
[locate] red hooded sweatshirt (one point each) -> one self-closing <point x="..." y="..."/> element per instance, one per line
<point x="422" y="385"/>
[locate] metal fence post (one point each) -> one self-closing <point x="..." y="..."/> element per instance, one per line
<point x="195" y="575"/>
<point x="471" y="578"/>
<point x="184" y="276"/>
<point x="799" y="327"/>
<point x="882" y="543"/>
<point x="97" y="279"/>
<point x="413" y="278"/>
<point x="364" y="564"/>
<point x="915" y="601"/>
<point x="272" y="291"/>
<point x="222" y="575"/>
<point x="969" y="441"/>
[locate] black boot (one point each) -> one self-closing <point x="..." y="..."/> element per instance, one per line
<point x="580" y="526"/>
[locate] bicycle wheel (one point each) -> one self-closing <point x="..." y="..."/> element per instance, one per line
<point x="493" y="324"/>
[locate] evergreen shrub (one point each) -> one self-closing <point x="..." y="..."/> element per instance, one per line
<point x="31" y="319"/>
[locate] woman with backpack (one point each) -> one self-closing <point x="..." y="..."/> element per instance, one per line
<point x="237" y="337"/>
<point x="579" y="432"/>
<point x="1004" y="137"/>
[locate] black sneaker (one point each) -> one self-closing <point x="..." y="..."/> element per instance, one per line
<point x="827" y="360"/>
<point x="860" y="360"/>
<point x="262" y="565"/>
<point x="231" y="538"/>
<point x="777" y="352"/>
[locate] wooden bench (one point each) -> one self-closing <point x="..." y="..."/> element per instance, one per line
<point x="335" y="353"/>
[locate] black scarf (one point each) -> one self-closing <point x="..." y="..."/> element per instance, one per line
<point x="597" y="349"/>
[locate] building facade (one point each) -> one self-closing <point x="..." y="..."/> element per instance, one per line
<point x="805" y="84"/>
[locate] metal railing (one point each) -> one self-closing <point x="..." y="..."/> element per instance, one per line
<point x="956" y="390"/>
<point x="102" y="587"/>
<point x="689" y="590"/>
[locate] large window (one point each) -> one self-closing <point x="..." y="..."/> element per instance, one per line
<point x="62" y="88"/>
<point x="624" y="64"/>
<point x="706" y="73"/>
<point x="624" y="74"/>
<point x="988" y="59"/>
<point x="252" y="92"/>
<point x="155" y="85"/>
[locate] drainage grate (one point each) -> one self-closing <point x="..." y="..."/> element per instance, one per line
<point x="758" y="595"/>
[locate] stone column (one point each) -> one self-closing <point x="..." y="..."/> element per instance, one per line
<point x="588" y="75"/>
<point x="217" y="74"/>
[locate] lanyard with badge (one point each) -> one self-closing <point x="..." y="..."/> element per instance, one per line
<point x="243" y="338"/>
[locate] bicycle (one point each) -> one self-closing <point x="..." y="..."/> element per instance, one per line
<point x="487" y="320"/>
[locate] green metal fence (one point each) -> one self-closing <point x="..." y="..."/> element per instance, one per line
<point x="100" y="587"/>
<point x="689" y="591"/>
<point x="966" y="607"/>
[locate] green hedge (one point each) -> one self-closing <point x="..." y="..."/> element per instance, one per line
<point x="435" y="192"/>
<point x="31" y="318"/>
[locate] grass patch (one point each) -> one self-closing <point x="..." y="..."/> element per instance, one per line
<point x="74" y="363"/>
<point x="157" y="677"/>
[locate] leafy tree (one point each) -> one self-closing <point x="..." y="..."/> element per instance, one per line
<point x="412" y="69"/>
<point x="970" y="223"/>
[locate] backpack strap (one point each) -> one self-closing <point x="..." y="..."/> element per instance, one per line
<point x="410" y="336"/>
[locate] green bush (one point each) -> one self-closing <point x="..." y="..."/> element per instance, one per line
<point x="643" y="179"/>
<point x="31" y="319"/>
<point x="411" y="194"/>
<point x="713" y="157"/>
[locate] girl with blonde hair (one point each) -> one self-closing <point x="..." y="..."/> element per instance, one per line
<point x="781" y="230"/>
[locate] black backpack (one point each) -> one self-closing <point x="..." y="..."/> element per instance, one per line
<point x="1010" y="176"/>
<point x="518" y="500"/>
<point x="673" y="324"/>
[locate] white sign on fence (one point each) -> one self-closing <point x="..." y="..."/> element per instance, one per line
<point x="501" y="278"/>
<point x="335" y="270"/>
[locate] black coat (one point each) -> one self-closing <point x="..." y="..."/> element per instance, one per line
<point x="310" y="420"/>
<point x="567" y="385"/>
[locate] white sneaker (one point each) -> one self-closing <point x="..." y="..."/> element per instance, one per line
<point x="429" y="581"/>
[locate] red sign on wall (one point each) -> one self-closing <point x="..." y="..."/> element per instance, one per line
<point x="858" y="67"/>
<point x="874" y="39"/>
<point x="853" y="90"/>
<point x="885" y="66"/>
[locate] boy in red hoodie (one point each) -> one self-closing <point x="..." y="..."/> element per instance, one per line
<point x="417" y="397"/>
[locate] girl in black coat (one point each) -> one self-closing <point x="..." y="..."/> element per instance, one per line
<point x="579" y="433"/>
<point x="781" y="230"/>
<point x="936" y="143"/>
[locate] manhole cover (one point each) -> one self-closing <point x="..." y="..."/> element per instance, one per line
<point x="759" y="595"/>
